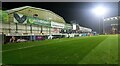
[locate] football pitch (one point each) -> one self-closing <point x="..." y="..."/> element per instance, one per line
<point x="81" y="50"/>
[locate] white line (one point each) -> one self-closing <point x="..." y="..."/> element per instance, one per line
<point x="17" y="48"/>
<point x="33" y="46"/>
<point x="42" y="44"/>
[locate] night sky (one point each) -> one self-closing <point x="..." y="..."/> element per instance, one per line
<point x="79" y="12"/>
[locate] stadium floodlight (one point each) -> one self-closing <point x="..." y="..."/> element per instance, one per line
<point x="108" y="18"/>
<point x="104" y="19"/>
<point x="112" y="18"/>
<point x="100" y="10"/>
<point x="116" y="18"/>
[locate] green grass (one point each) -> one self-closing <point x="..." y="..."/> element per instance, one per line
<point x="82" y="50"/>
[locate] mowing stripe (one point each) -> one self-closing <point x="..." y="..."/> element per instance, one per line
<point x="81" y="62"/>
<point x="42" y="44"/>
<point x="102" y="57"/>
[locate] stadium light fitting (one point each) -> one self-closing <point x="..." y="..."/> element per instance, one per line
<point x="100" y="10"/>
<point x="104" y="19"/>
<point x="112" y="18"/>
<point x="116" y="18"/>
<point x="108" y="19"/>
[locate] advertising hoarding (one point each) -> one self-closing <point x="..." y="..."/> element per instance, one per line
<point x="57" y="25"/>
<point x="38" y="22"/>
<point x="5" y="18"/>
<point x="74" y="26"/>
<point x="68" y="26"/>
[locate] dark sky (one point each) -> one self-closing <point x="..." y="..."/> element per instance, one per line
<point x="77" y="11"/>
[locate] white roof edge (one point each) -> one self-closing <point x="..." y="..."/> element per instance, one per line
<point x="17" y="9"/>
<point x="46" y="10"/>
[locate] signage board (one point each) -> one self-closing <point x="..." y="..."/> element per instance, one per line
<point x="5" y="18"/>
<point x="38" y="22"/>
<point x="19" y="18"/>
<point x="74" y="26"/>
<point x="57" y="25"/>
<point x="68" y="26"/>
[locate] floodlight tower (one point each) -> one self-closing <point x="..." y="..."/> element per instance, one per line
<point x="100" y="11"/>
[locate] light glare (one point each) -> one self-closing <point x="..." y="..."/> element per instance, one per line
<point x="100" y="11"/>
<point x="116" y="18"/>
<point x="112" y="18"/>
<point x="108" y="19"/>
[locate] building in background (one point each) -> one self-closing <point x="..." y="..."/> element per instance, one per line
<point x="110" y="25"/>
<point x="29" y="20"/>
<point x="31" y="23"/>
